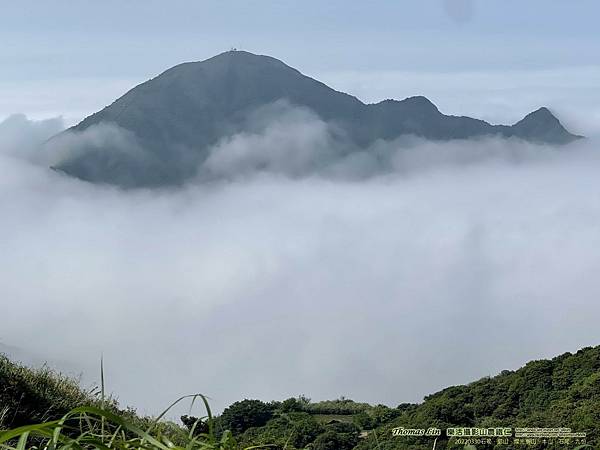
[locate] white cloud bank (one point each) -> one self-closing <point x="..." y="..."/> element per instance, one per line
<point x="466" y="259"/>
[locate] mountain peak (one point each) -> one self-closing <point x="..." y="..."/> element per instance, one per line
<point x="542" y="126"/>
<point x="237" y="60"/>
<point x="417" y="101"/>
<point x="242" y="56"/>
<point x="541" y="114"/>
<point x="420" y="103"/>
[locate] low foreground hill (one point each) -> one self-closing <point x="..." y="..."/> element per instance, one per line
<point x="561" y="392"/>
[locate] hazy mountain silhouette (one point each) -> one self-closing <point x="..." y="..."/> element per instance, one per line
<point x="173" y="120"/>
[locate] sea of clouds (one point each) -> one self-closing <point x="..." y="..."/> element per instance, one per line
<point x="381" y="275"/>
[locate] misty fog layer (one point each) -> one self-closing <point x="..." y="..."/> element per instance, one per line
<point x="463" y="259"/>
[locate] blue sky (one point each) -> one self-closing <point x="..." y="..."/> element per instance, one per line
<point x="471" y="57"/>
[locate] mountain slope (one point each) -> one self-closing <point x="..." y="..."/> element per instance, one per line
<point x="170" y="122"/>
<point x="561" y="392"/>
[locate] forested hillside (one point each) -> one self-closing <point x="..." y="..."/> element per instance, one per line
<point x="562" y="392"/>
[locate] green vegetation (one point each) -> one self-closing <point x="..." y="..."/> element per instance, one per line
<point x="246" y="414"/>
<point x="562" y="392"/>
<point x="53" y="412"/>
<point x="38" y="403"/>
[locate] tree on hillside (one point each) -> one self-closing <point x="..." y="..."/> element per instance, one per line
<point x="246" y="414"/>
<point x="305" y="431"/>
<point x="291" y="405"/>
<point x="198" y="425"/>
<point x="338" y="436"/>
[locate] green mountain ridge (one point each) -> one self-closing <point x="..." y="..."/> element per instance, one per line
<point x="168" y="125"/>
